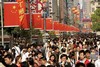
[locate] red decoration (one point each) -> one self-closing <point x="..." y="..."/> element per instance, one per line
<point x="49" y="24"/>
<point x="22" y="9"/>
<point x="37" y="21"/>
<point x="56" y="25"/>
<point x="26" y="22"/>
<point x="11" y="14"/>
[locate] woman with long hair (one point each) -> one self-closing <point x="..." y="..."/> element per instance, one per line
<point x="18" y="60"/>
<point x="52" y="60"/>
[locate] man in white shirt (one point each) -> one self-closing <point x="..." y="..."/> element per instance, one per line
<point x="17" y="50"/>
<point x="97" y="62"/>
<point x="24" y="55"/>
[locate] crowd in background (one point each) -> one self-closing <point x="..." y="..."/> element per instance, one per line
<point x="70" y="51"/>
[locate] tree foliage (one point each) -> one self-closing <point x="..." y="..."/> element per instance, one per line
<point x="96" y="20"/>
<point x="96" y="26"/>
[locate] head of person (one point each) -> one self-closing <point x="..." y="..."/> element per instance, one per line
<point x="24" y="50"/>
<point x="90" y="65"/>
<point x="92" y="50"/>
<point x="63" y="57"/>
<point x="39" y="55"/>
<point x="81" y="54"/>
<point x="43" y="60"/>
<point x="18" y="59"/>
<point x="87" y="54"/>
<point x="56" y="49"/>
<point x="30" y="61"/>
<point x="53" y="58"/>
<point x="42" y="66"/>
<point x="80" y="65"/>
<point x="50" y="66"/>
<point x="78" y="48"/>
<point x="72" y="55"/>
<point x="63" y="50"/>
<point x="8" y="59"/>
<point x="29" y="49"/>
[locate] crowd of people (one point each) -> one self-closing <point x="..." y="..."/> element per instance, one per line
<point x="72" y="51"/>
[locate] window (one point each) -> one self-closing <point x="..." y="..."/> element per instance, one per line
<point x="50" y="16"/>
<point x="49" y="2"/>
<point x="49" y="9"/>
<point x="98" y="3"/>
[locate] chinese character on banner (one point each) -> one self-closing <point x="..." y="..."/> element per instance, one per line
<point x="22" y="9"/>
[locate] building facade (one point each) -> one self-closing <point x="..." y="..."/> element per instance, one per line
<point x="58" y="10"/>
<point x="94" y="5"/>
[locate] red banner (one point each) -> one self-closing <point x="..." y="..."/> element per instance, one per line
<point x="56" y="25"/>
<point x="75" y="29"/>
<point x="14" y="13"/>
<point x="72" y="29"/>
<point x="64" y="27"/>
<point x="11" y="15"/>
<point x="22" y="9"/>
<point x="61" y="27"/>
<point x="25" y="23"/>
<point x="37" y="21"/>
<point x="67" y="28"/>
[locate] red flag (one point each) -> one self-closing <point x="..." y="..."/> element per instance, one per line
<point x="11" y="15"/>
<point x="49" y="24"/>
<point x="37" y="21"/>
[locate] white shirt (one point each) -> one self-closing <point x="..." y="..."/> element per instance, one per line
<point x="24" y="56"/>
<point x="17" y="50"/>
<point x="1" y="65"/>
<point x="97" y="63"/>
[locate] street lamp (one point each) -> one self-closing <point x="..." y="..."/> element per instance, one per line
<point x="44" y="17"/>
<point x="44" y="23"/>
<point x="2" y="22"/>
<point x="30" y="13"/>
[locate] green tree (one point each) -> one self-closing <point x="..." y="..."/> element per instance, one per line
<point x="96" y="20"/>
<point x="96" y="26"/>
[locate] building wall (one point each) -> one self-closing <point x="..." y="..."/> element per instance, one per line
<point x="94" y="6"/>
<point x="63" y="10"/>
<point x="50" y="5"/>
<point x="87" y="8"/>
<point x="55" y="9"/>
<point x="58" y="10"/>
